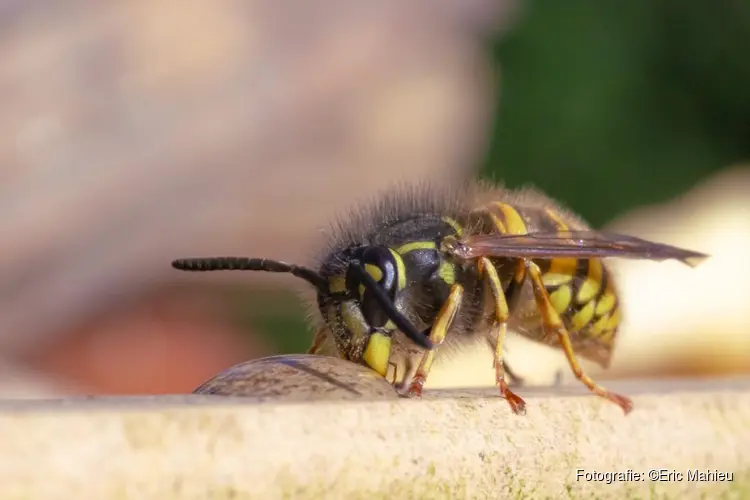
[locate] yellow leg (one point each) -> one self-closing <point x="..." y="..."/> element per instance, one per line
<point x="554" y="325"/>
<point x="438" y="332"/>
<point x="519" y="276"/>
<point x="499" y="330"/>
<point x="320" y="337"/>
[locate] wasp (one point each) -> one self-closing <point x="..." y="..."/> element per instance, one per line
<point x="427" y="266"/>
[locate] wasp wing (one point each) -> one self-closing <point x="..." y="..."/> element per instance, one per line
<point x="575" y="244"/>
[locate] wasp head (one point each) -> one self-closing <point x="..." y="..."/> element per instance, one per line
<point x="361" y="303"/>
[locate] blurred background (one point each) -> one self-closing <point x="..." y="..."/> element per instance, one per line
<point x="137" y="132"/>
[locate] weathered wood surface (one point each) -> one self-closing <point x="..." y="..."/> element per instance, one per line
<point x="452" y="444"/>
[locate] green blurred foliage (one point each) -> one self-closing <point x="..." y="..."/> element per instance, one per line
<point x="605" y="106"/>
<point x="609" y="105"/>
<point x="278" y="316"/>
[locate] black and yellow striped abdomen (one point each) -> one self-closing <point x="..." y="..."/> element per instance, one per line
<point x="582" y="290"/>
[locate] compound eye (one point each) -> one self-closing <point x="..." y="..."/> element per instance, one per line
<point x="380" y="264"/>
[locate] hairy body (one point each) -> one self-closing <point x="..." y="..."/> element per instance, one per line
<point x="427" y="267"/>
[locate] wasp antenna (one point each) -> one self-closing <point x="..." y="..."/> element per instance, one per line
<point x="389" y="308"/>
<point x="250" y="264"/>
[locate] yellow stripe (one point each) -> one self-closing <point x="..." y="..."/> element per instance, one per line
<point x="614" y="319"/>
<point x="416" y="245"/>
<point x="559" y="222"/>
<point x="447" y="272"/>
<point x="591" y="285"/>
<point x="374" y="271"/>
<point x="583" y="316"/>
<point x="598" y="327"/>
<point x="561" y="271"/>
<point x="561" y="298"/>
<point x="455" y="225"/>
<point x="513" y="219"/>
<point x="499" y="225"/>
<point x="400" y="269"/>
<point x="605" y="303"/>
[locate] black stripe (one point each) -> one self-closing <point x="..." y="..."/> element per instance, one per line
<point x="603" y="288"/>
<point x="581" y="273"/>
<point x="545" y="223"/>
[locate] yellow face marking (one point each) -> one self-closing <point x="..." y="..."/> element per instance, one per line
<point x="374" y="271"/>
<point x="561" y="298"/>
<point x="605" y="303"/>
<point x="593" y="282"/>
<point x="455" y="225"/>
<point x="416" y="245"/>
<point x="561" y="271"/>
<point x="336" y="284"/>
<point x="513" y="219"/>
<point x="400" y="269"/>
<point x="378" y="353"/>
<point x="447" y="273"/>
<point x="559" y="222"/>
<point x="583" y="316"/>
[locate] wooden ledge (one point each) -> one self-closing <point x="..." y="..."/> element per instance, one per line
<point x="452" y="444"/>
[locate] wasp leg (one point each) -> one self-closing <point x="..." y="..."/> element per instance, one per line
<point x="438" y="331"/>
<point x="554" y="325"/>
<point x="320" y="337"/>
<point x="402" y="385"/>
<point x="499" y="329"/>
<point x="394" y="380"/>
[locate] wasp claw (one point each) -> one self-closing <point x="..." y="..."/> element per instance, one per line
<point x="517" y="404"/>
<point x="415" y="388"/>
<point x="623" y="402"/>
